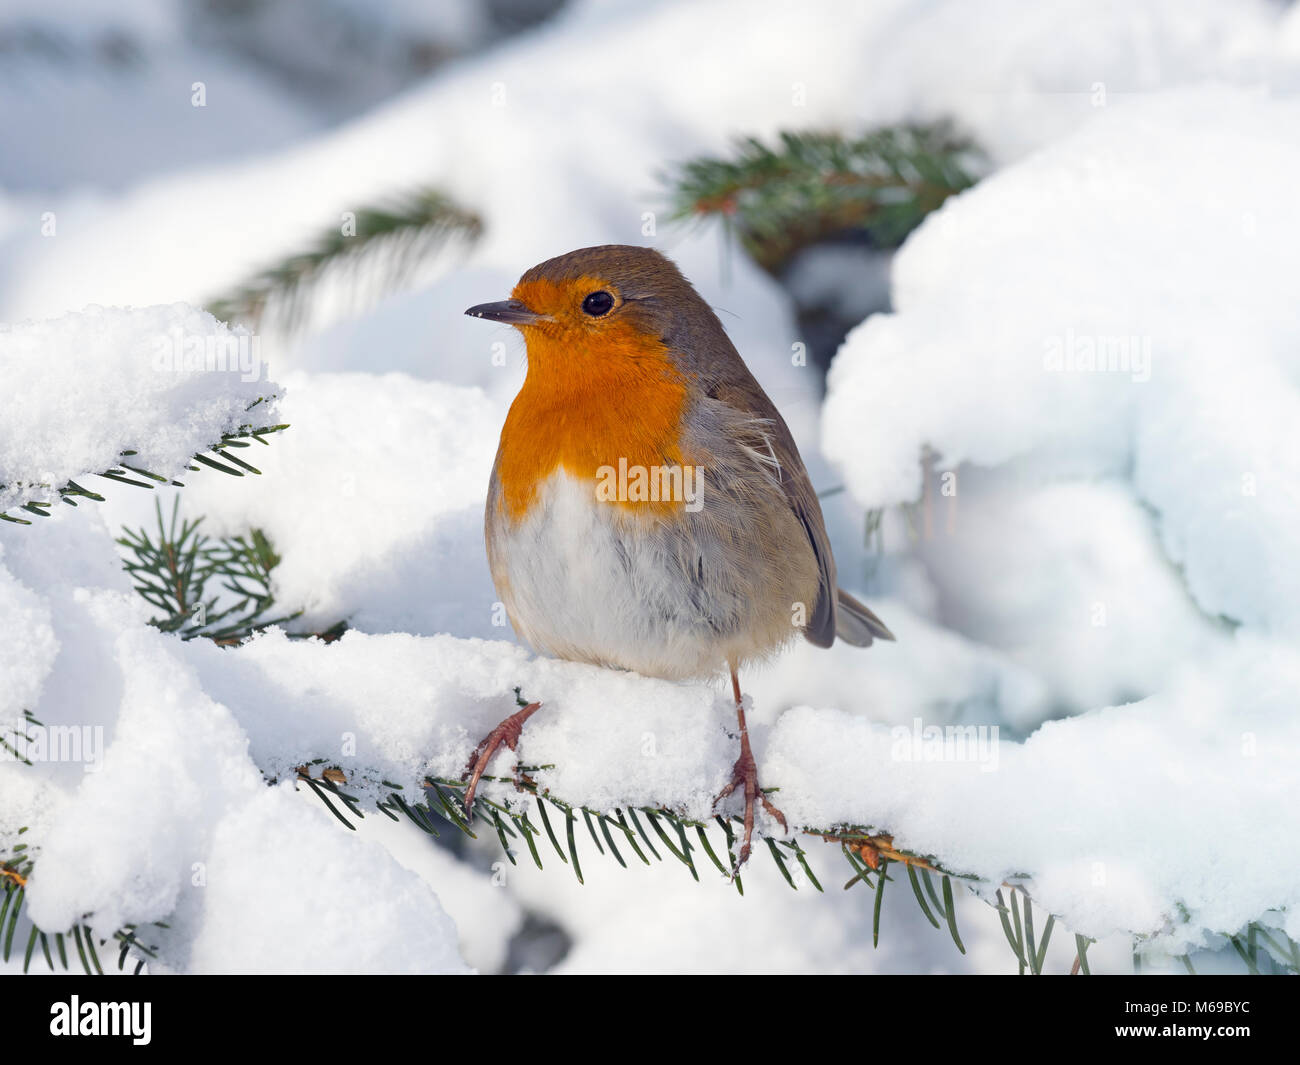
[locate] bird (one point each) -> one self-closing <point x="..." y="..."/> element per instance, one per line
<point x="648" y="509"/>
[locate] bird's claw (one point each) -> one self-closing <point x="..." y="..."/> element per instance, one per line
<point x="505" y="734"/>
<point x="744" y="775"/>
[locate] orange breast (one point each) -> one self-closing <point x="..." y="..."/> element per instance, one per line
<point x="589" y="401"/>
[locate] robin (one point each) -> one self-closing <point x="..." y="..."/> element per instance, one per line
<point x="648" y="509"/>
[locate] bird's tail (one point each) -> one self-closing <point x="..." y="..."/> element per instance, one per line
<point x="857" y="625"/>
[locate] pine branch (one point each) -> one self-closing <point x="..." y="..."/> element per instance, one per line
<point x="216" y="588"/>
<point x="130" y="473"/>
<point x="647" y="830"/>
<point x="394" y="238"/>
<point x="1261" y="948"/>
<point x="818" y="185"/>
<point x="13" y="895"/>
<point x="686" y="840"/>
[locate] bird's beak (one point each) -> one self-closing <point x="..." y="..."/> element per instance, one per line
<point x="511" y="312"/>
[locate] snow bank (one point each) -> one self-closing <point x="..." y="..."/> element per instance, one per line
<point x="1126" y="811"/>
<point x="162" y="813"/>
<point x="82" y="389"/>
<point x="1069" y="579"/>
<point x="309" y="880"/>
<point x="373" y="499"/>
<point x="526" y="134"/>
<point x="1126" y="803"/>
<point x="1086" y="248"/>
<point x="1099" y="344"/>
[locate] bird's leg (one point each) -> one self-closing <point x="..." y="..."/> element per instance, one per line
<point x="745" y="775"/>
<point x="507" y="734"/>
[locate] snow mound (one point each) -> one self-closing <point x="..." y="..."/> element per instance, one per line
<point x="1098" y="343"/>
<point x="1107" y="308"/>
<point x="374" y="500"/>
<point x="86" y="388"/>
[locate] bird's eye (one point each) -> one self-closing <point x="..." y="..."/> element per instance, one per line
<point x="598" y="303"/>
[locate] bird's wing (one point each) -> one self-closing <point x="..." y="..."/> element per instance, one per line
<point x="772" y="447"/>
<point x="821" y="627"/>
<point x="837" y="613"/>
<point x="709" y="357"/>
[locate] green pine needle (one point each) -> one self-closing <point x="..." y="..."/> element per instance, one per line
<point x="72" y="491"/>
<point x="394" y="238"/>
<point x="813" y="186"/>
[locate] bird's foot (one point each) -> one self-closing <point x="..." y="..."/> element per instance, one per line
<point x="505" y="734"/>
<point x="744" y="775"/>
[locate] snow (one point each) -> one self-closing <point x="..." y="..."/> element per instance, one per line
<point x="486" y="917"/>
<point x="1106" y="579"/>
<point x="1202" y="761"/>
<point x="1209" y="436"/>
<point x="164" y="382"/>
<point x="284" y="919"/>
<point x="1116" y="523"/>
<point x="26" y="660"/>
<point x="370" y="499"/>
<point x="1066" y="577"/>
<point x="107" y="846"/>
<point x="537" y="177"/>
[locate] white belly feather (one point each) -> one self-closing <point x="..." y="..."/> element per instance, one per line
<point x="578" y="586"/>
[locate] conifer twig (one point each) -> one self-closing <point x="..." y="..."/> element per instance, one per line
<point x="817" y="185"/>
<point x="130" y="473"/>
<point x="396" y="237"/>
